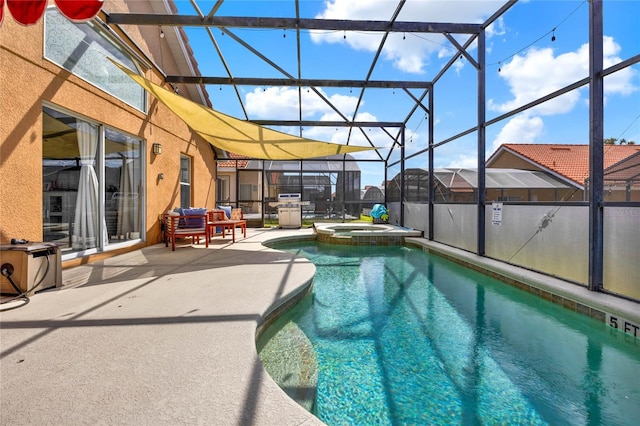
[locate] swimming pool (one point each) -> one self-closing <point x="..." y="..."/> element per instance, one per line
<point x="405" y="337"/>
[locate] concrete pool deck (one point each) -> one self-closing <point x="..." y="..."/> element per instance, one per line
<point x="155" y="337"/>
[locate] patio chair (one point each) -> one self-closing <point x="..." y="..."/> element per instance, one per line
<point x="192" y="223"/>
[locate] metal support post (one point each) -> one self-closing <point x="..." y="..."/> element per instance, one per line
<point x="596" y="146"/>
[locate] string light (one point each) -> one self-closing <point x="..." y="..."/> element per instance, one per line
<point x="284" y="33"/>
<point x="345" y="35"/>
<point x="553" y="37"/>
<point x="161" y="33"/>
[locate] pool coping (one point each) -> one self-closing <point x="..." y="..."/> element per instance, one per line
<point x="609" y="309"/>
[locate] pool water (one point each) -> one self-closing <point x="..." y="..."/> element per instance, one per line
<point x="405" y="337"/>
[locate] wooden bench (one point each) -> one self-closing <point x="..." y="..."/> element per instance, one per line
<point x="182" y="226"/>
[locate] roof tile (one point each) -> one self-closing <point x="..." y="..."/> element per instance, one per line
<point x="570" y="161"/>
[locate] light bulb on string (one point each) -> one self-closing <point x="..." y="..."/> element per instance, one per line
<point x="553" y="35"/>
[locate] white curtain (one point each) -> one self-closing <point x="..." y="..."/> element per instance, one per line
<point x="128" y="201"/>
<point x="86" y="224"/>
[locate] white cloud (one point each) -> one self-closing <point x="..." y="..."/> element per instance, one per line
<point x="538" y="72"/>
<point x="520" y="129"/>
<point x="464" y="161"/>
<point x="497" y="28"/>
<point x="272" y="102"/>
<point x="620" y="82"/>
<point x="282" y="103"/>
<point x="408" y="54"/>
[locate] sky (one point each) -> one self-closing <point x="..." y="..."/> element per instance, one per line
<point x="535" y="48"/>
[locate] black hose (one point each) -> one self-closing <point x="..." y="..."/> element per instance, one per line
<point x="21" y="294"/>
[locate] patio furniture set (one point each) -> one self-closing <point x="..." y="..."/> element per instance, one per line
<point x="200" y="222"/>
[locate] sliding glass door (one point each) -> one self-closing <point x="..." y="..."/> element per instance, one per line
<point x="92" y="184"/>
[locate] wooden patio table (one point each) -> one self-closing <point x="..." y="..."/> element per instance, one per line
<point x="217" y="219"/>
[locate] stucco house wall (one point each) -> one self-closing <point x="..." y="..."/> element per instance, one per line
<point x="28" y="81"/>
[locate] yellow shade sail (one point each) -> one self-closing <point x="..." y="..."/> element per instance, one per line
<point x="238" y="136"/>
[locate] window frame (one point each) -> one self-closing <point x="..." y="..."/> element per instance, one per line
<point x="108" y="38"/>
<point x="186" y="185"/>
<point x="100" y="163"/>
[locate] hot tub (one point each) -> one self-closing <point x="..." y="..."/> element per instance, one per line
<point x="363" y="233"/>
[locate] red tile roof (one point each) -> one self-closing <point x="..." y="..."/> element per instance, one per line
<point x="570" y="161"/>
<point x="231" y="161"/>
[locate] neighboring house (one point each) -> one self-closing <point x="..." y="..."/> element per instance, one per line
<point x="570" y="164"/>
<point x="88" y="160"/>
<point x="373" y="194"/>
<point x="227" y="172"/>
<point x="457" y="185"/>
<point x="239" y="184"/>
<point x="624" y="175"/>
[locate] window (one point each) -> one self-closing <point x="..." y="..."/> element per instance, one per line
<point x="222" y="189"/>
<point x="123" y="185"/>
<point x="185" y="181"/>
<point x="84" y="49"/>
<point x="92" y="184"/>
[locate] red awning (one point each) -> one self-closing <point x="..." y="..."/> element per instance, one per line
<point x="28" y="12"/>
